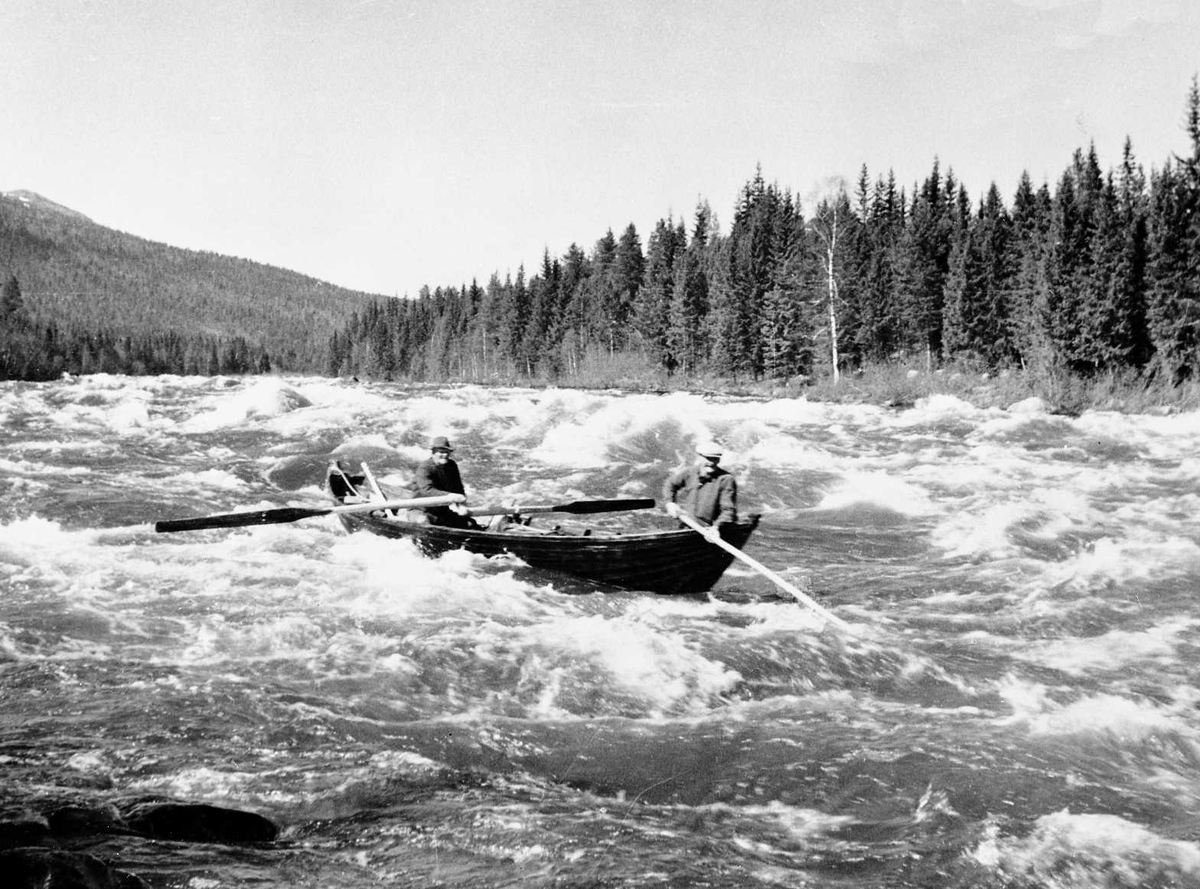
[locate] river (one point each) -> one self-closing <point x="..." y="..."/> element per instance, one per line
<point x="1015" y="705"/>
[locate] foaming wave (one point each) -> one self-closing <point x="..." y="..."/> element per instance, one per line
<point x="219" y="479"/>
<point x="1112" y="650"/>
<point x="880" y="492"/>
<point x="502" y="646"/>
<point x="1108" y="562"/>
<point x="971" y="536"/>
<point x="780" y="451"/>
<point x="939" y="408"/>
<point x="1008" y="529"/>
<point x="1083" y="851"/>
<point x="1090" y="715"/>
<point x="31" y="540"/>
<point x="582" y="666"/>
<point x="130" y="414"/>
<point x="262" y="399"/>
<point x="798" y="823"/>
<point x="392" y="577"/>
<point x="605" y="431"/>
<point x="450" y="412"/>
<point x="200" y="783"/>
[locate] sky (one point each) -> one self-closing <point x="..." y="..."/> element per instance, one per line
<point x="384" y="145"/>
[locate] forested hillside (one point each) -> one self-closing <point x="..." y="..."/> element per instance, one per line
<point x="126" y="304"/>
<point x="1099" y="271"/>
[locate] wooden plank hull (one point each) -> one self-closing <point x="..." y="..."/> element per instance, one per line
<point x="666" y="562"/>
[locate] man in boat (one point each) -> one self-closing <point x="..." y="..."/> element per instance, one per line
<point x="704" y="490"/>
<point x="438" y="476"/>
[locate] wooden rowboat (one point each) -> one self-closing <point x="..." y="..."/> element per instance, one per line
<point x="666" y="562"/>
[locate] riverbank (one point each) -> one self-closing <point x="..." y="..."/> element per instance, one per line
<point x="901" y="386"/>
<point x="1062" y="393"/>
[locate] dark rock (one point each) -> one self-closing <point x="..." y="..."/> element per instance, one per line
<point x="55" y="869"/>
<point x="23" y="829"/>
<point x="199" y="823"/>
<point x="72" y="820"/>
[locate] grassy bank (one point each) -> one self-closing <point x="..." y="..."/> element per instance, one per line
<point x="1062" y="393"/>
<point x="901" y="385"/>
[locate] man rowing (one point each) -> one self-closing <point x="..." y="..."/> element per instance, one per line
<point x="437" y="477"/>
<point x="704" y="491"/>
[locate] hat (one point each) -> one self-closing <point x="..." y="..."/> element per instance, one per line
<point x="440" y="443"/>
<point x="709" y="449"/>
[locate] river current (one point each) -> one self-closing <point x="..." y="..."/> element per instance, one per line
<point x="1017" y="704"/>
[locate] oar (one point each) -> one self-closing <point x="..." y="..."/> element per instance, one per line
<point x="711" y="535"/>
<point x="579" y="507"/>
<point x="295" y="513"/>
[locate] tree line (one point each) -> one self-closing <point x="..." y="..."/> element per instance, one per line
<point x="33" y="351"/>
<point x="1099" y="273"/>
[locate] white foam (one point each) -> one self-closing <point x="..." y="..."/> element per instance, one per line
<point x="878" y="490"/>
<point x="264" y="398"/>
<point x="215" y="479"/>
<point x="130" y="414"/>
<point x="1080" y="851"/>
<point x="1110" y="651"/>
<point x="567" y="662"/>
<point x="1142" y="556"/>
<point x="1092" y="714"/>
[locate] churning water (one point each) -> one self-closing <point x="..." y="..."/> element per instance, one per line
<point x="1017" y="705"/>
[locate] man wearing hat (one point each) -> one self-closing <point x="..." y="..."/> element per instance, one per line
<point x="437" y="477"/>
<point x="704" y="490"/>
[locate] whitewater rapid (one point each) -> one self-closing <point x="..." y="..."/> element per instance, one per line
<point x="1016" y="705"/>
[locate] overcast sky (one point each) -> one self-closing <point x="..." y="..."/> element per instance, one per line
<point x="387" y="144"/>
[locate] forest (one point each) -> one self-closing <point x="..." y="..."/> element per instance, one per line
<point x="1098" y="273"/>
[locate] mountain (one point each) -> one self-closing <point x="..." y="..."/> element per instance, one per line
<point x="84" y="277"/>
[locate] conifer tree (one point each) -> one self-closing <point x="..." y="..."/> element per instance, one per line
<point x="1173" y="310"/>
<point x="978" y="286"/>
<point x="1029" y="303"/>
<point x="923" y="260"/>
<point x="653" y="304"/>
<point x="630" y="270"/>
<point x="689" y="298"/>
<point x="748" y="274"/>
<point x="873" y="319"/>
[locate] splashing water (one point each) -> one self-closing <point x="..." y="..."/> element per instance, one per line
<point x="1016" y="707"/>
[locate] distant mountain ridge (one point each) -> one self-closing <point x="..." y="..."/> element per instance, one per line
<point x="83" y="276"/>
<point x="34" y="200"/>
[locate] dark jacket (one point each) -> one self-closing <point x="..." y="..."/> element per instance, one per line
<point x="712" y="501"/>
<point x="436" y="480"/>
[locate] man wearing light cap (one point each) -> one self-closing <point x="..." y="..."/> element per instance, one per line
<point x="437" y="477"/>
<point x="704" y="490"/>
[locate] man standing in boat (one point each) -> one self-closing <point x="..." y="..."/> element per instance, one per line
<point x="438" y="476"/>
<point x="704" y="490"/>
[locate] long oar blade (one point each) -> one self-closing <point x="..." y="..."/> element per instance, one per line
<point x="586" y="507"/>
<point x="715" y="539"/>
<point x="287" y="514"/>
<point x="579" y="507"/>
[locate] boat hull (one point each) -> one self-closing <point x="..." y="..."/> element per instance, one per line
<point x="671" y="562"/>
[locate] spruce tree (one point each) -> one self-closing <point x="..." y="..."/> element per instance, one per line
<point x="979" y="286"/>
<point x="1173" y="310"/>
<point x="652" y="307"/>
<point x="923" y="261"/>
<point x="689" y="298"/>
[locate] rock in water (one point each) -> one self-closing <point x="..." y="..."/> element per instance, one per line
<point x="199" y="823"/>
<point x="42" y="868"/>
